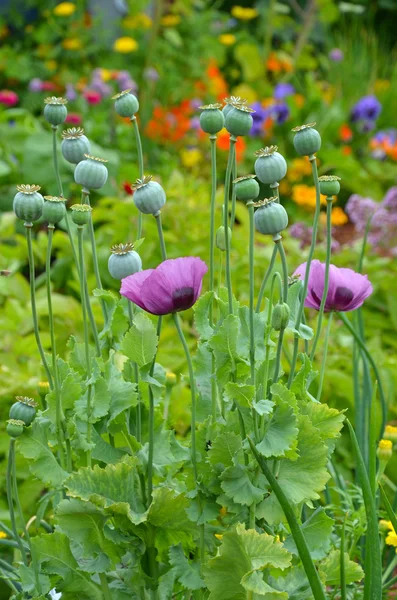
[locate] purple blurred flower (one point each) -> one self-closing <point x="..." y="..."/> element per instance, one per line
<point x="259" y="117"/>
<point x="195" y="103"/>
<point x="35" y="85"/>
<point x="173" y="286"/>
<point x="336" y="55"/>
<point x="360" y="210"/>
<point x="347" y="289"/>
<point x="390" y="199"/>
<point x="70" y="93"/>
<point x="280" y="112"/>
<point x="126" y="82"/>
<point x="282" y="90"/>
<point x="367" y="126"/>
<point x="151" y="74"/>
<point x="301" y="232"/>
<point x="366" y="109"/>
<point x="195" y="123"/>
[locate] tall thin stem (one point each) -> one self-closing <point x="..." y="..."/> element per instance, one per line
<point x="266" y="279"/>
<point x="140" y="167"/>
<point x="58" y="407"/>
<point x="229" y="168"/>
<point x="250" y="206"/>
<point x="326" y="277"/>
<point x="11" y="458"/>
<point x="151" y="421"/>
<point x="212" y="221"/>
<point x="234" y="175"/>
<point x="136" y="376"/>
<point x="80" y="230"/>
<point x="161" y="236"/>
<point x="28" y="227"/>
<point x="280" y="248"/>
<point x="324" y="360"/>
<point x="107" y="595"/>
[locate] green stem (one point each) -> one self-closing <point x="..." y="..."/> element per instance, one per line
<point x="6" y="530"/>
<point x="212" y="221"/>
<point x="300" y="541"/>
<point x="105" y="587"/>
<point x="250" y="206"/>
<point x="326" y="277"/>
<point x="280" y="248"/>
<point x="364" y="348"/>
<point x="389" y="583"/>
<point x="266" y="278"/>
<point x="140" y="167"/>
<point x="230" y="161"/>
<point x="343" y="595"/>
<point x="28" y="227"/>
<point x="373" y="577"/>
<point x="234" y="175"/>
<point x="11" y="458"/>
<point x="136" y="376"/>
<point x="80" y="230"/>
<point x="298" y="321"/>
<point x="161" y="236"/>
<point x="151" y="420"/>
<point x="324" y="360"/>
<point x="58" y="407"/>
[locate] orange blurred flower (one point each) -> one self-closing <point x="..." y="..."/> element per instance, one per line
<point x="223" y="143"/>
<point x="305" y="196"/>
<point x="278" y="64"/>
<point x="345" y="133"/>
<point x="347" y="150"/>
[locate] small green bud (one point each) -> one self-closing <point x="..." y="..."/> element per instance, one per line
<point x="43" y="388"/>
<point x="270" y="166"/>
<point x="81" y="214"/>
<point x="124" y="261"/>
<point x="28" y="203"/>
<point x="75" y="145"/>
<point x="307" y="141"/>
<point x="385" y="450"/>
<point x="220" y="240"/>
<point x="212" y="119"/>
<point x="170" y="379"/>
<point x="247" y="188"/>
<point x="390" y="433"/>
<point x="14" y="428"/>
<point x="271" y="217"/>
<point x="239" y="120"/>
<point x="54" y="209"/>
<point x="55" y="111"/>
<point x="149" y="197"/>
<point x="24" y="409"/>
<point x="126" y="104"/>
<point x="280" y="316"/>
<point x="91" y="173"/>
<point x="329" y="185"/>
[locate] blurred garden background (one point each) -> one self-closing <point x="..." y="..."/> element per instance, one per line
<point x="295" y="61"/>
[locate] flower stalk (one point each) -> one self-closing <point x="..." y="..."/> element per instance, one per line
<point x="140" y="168"/>
<point x="230" y="162"/>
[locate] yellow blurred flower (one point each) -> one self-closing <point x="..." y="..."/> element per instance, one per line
<point x="299" y="168"/>
<point x="170" y="20"/>
<point x="338" y="216"/>
<point x="245" y="91"/>
<point x="305" y="195"/>
<point x="381" y="85"/>
<point x="385" y="525"/>
<point x="136" y="21"/>
<point x="125" y="44"/>
<point x="191" y="157"/>
<point x="51" y="65"/>
<point x="218" y="536"/>
<point x="284" y="188"/>
<point x="64" y="9"/>
<point x="244" y="13"/>
<point x="391" y="539"/>
<point x="72" y="44"/>
<point x="106" y="74"/>
<point x="223" y="511"/>
<point x="227" y="39"/>
<point x="390" y="433"/>
<point x="2" y="535"/>
<point x="299" y="100"/>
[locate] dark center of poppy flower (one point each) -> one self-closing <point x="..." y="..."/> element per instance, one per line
<point x="343" y="297"/>
<point x="183" y="298"/>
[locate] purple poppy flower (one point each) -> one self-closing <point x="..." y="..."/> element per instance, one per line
<point x="336" y="55"/>
<point x="259" y="117"/>
<point x="35" y="84"/>
<point x="366" y="109"/>
<point x="151" y="74"/>
<point x="360" y="210"/>
<point x="390" y="200"/>
<point x="282" y="90"/>
<point x="280" y="112"/>
<point x="70" y="93"/>
<point x="347" y="289"/>
<point x="195" y="123"/>
<point x="173" y="286"/>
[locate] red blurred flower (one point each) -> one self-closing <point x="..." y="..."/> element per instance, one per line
<point x="345" y="133"/>
<point x="8" y="98"/>
<point x="127" y="187"/>
<point x="73" y="119"/>
<point x="347" y="150"/>
<point x="48" y="86"/>
<point x="92" y="96"/>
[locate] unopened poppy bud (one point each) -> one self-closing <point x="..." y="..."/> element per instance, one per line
<point x="55" y="111"/>
<point x="307" y="141"/>
<point x="329" y="185"/>
<point x="385" y="450"/>
<point x="14" y="428"/>
<point x="220" y="240"/>
<point x="28" y="203"/>
<point x="124" y="261"/>
<point x="280" y="316"/>
<point x="24" y="409"/>
<point x="270" y="166"/>
<point x="149" y="197"/>
<point x="170" y="378"/>
<point x="390" y="434"/>
<point x="81" y="214"/>
<point x="246" y="187"/>
<point x="126" y="104"/>
<point x="212" y="119"/>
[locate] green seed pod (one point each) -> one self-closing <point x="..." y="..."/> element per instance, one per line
<point x="55" y="111"/>
<point x="239" y="120"/>
<point x="24" y="409"/>
<point x="271" y="217"/>
<point x="91" y="173"/>
<point x="212" y="119"/>
<point x="81" y="214"/>
<point x="280" y="316"/>
<point x="14" y="428"/>
<point x="149" y="197"/>
<point x="307" y="140"/>
<point x="329" y="185"/>
<point x="75" y="145"/>
<point x="220" y="241"/>
<point x="54" y="209"/>
<point x="28" y="203"/>
<point x="230" y="102"/>
<point x="124" y="261"/>
<point x="270" y="166"/>
<point x="126" y="104"/>
<point x="246" y="187"/>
